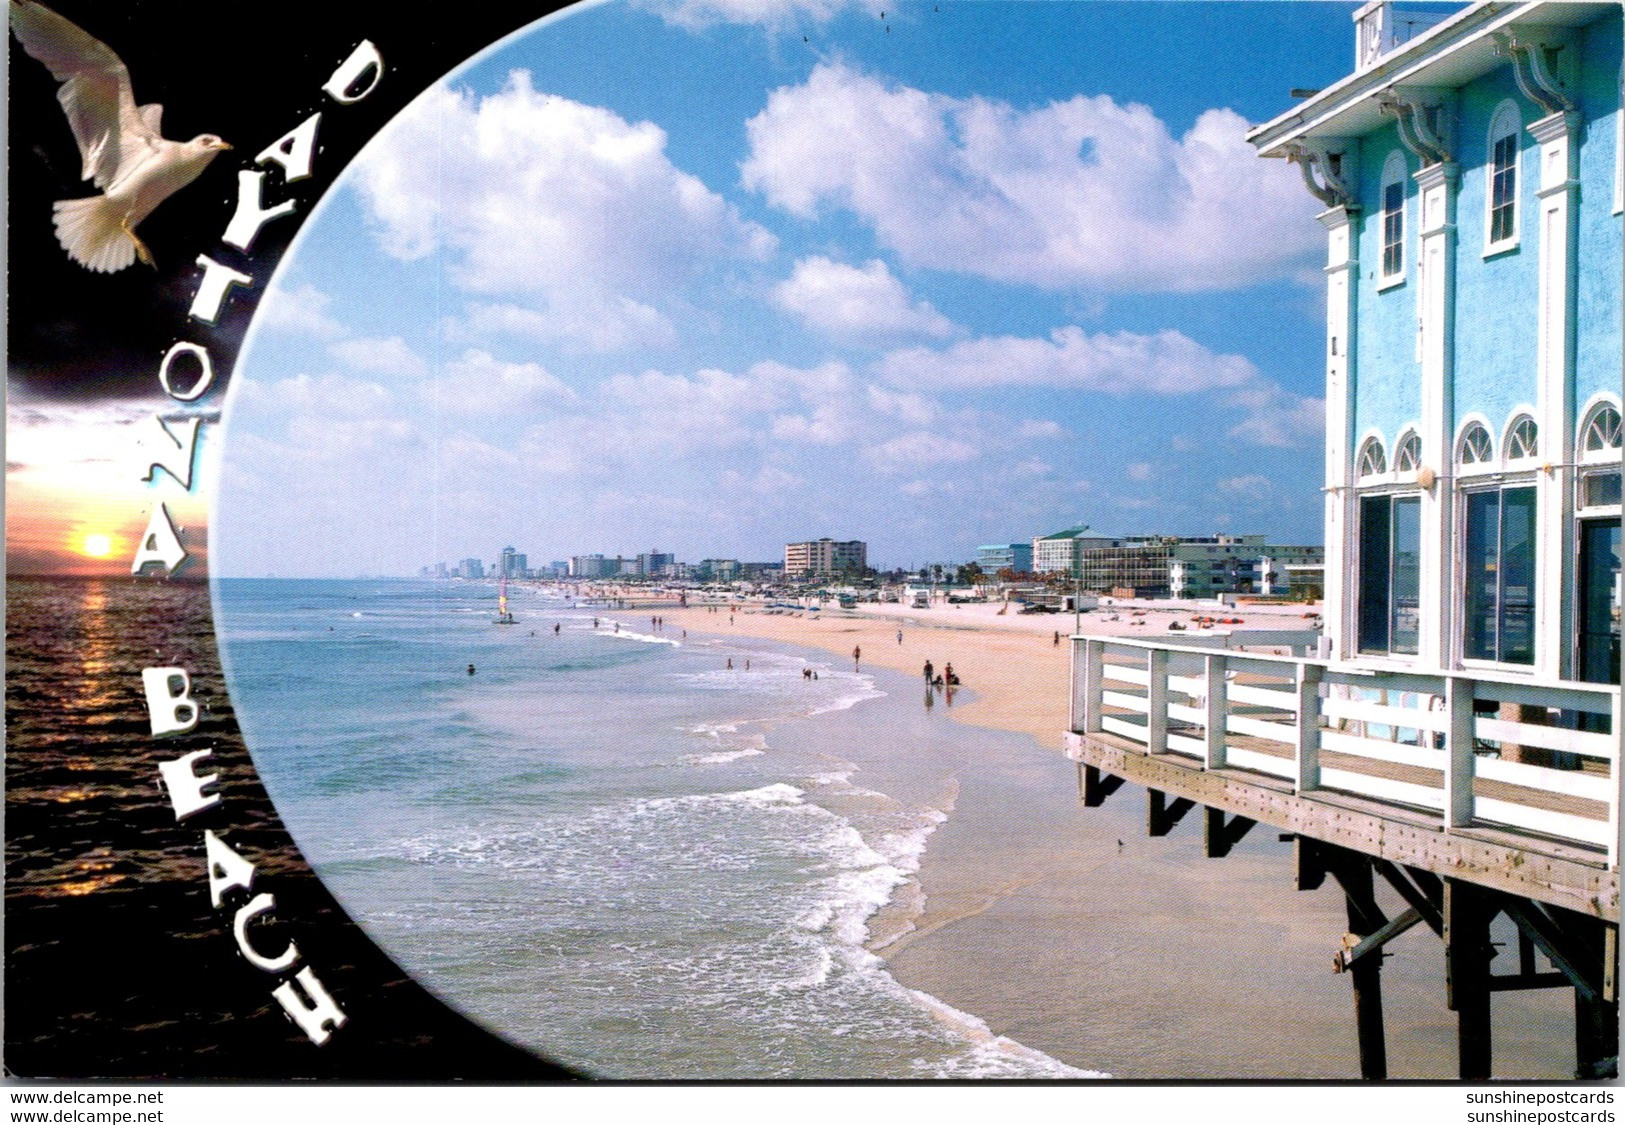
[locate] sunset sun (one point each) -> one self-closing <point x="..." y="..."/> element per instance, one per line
<point x="96" y="546"/>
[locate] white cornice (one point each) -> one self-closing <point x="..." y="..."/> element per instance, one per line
<point x="1450" y="54"/>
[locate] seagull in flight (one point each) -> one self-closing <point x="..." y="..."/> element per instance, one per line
<point x="122" y="149"/>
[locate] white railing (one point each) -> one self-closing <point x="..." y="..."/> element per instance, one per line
<point x="1472" y="747"/>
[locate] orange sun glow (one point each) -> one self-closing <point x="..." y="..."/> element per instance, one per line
<point x="96" y="545"/>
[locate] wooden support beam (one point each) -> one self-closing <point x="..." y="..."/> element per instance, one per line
<point x="1309" y="862"/>
<point x="1596" y="1038"/>
<point x="1467" y="952"/>
<point x="1522" y="981"/>
<point x="1580" y="949"/>
<point x="1428" y="908"/>
<point x="1359" y="948"/>
<point x="1097" y="786"/>
<point x="1610" y="963"/>
<point x="1563" y="947"/>
<point x="1596" y="1020"/>
<point x="1220" y="835"/>
<point x="1161" y="815"/>
<point x="1526" y="953"/>
<point x="1428" y="883"/>
<point x="1352" y="870"/>
<point x="1366" y="974"/>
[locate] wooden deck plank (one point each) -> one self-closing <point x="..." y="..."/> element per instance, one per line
<point x="1549" y="871"/>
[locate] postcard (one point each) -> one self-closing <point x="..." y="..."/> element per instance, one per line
<point x="813" y="541"/>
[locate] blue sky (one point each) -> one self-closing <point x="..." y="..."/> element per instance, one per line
<point x="707" y="276"/>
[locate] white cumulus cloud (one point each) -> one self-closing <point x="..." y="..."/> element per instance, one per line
<point x="387" y="356"/>
<point x="1166" y="362"/>
<point x="1084" y="193"/>
<point x="568" y="206"/>
<point x="914" y="451"/>
<point x="856" y="302"/>
<point x="301" y="311"/>
<point x="772" y="14"/>
<point x="597" y="324"/>
<point x="477" y="382"/>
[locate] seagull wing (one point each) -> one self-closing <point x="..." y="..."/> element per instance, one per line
<point x="95" y="92"/>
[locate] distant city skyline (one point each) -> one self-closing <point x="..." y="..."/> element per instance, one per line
<point x="781" y="268"/>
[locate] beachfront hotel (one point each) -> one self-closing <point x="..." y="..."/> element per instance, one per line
<point x="1455" y="744"/>
<point x="821" y="557"/>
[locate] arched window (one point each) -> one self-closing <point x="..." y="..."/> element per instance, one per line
<point x="1474" y="449"/>
<point x="1408" y="453"/>
<point x="1599" y="435"/>
<point x="1501" y="169"/>
<point x="1373" y="461"/>
<point x="1393" y="217"/>
<point x="1599" y="457"/>
<point x="1523" y="438"/>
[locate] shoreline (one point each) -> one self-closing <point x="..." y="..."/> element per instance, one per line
<point x="1072" y="932"/>
<point x="1017" y="667"/>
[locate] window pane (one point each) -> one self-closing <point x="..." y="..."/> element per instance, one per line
<point x="1407" y="576"/>
<point x="1480" y="567"/>
<point x="1393" y="228"/>
<point x="1599" y="489"/>
<point x="1374" y="573"/>
<point x="1504" y="189"/>
<point x="1518" y="576"/>
<point x="1599" y="601"/>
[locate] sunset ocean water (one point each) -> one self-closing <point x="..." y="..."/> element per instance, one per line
<point x="117" y="963"/>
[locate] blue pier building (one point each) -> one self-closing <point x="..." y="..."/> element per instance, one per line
<point x="1447" y="750"/>
<point x="1472" y="182"/>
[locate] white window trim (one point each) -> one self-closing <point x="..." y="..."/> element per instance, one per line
<point x="1407" y="476"/>
<point x="1587" y="416"/>
<point x="1475" y="469"/>
<point x="1595" y="511"/>
<point x="1496" y="480"/>
<point x="1518" y="463"/>
<point x="1505" y="121"/>
<point x="1394" y="170"/>
<point x="1383" y="474"/>
<point x="1377" y="658"/>
<point x="1619" y="148"/>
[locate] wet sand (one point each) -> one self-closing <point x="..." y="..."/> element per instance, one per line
<point x="1073" y="932"/>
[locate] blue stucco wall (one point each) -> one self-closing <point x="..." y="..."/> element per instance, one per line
<point x="1601" y="248"/>
<point x="1495" y="331"/>
<point x="1388" y="380"/>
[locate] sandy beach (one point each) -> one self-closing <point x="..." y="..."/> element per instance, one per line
<point x="1073" y="932"/>
<point x="1015" y="669"/>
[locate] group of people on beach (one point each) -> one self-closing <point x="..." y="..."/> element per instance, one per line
<point x="945" y="678"/>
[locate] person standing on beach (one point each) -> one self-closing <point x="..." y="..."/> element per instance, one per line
<point x="928" y="671"/>
<point x="856" y="654"/>
<point x="899" y="636"/>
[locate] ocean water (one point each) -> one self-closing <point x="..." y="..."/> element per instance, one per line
<point x="640" y="854"/>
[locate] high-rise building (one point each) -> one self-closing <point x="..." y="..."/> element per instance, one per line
<point x="1005" y="556"/>
<point x="821" y="557"/>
